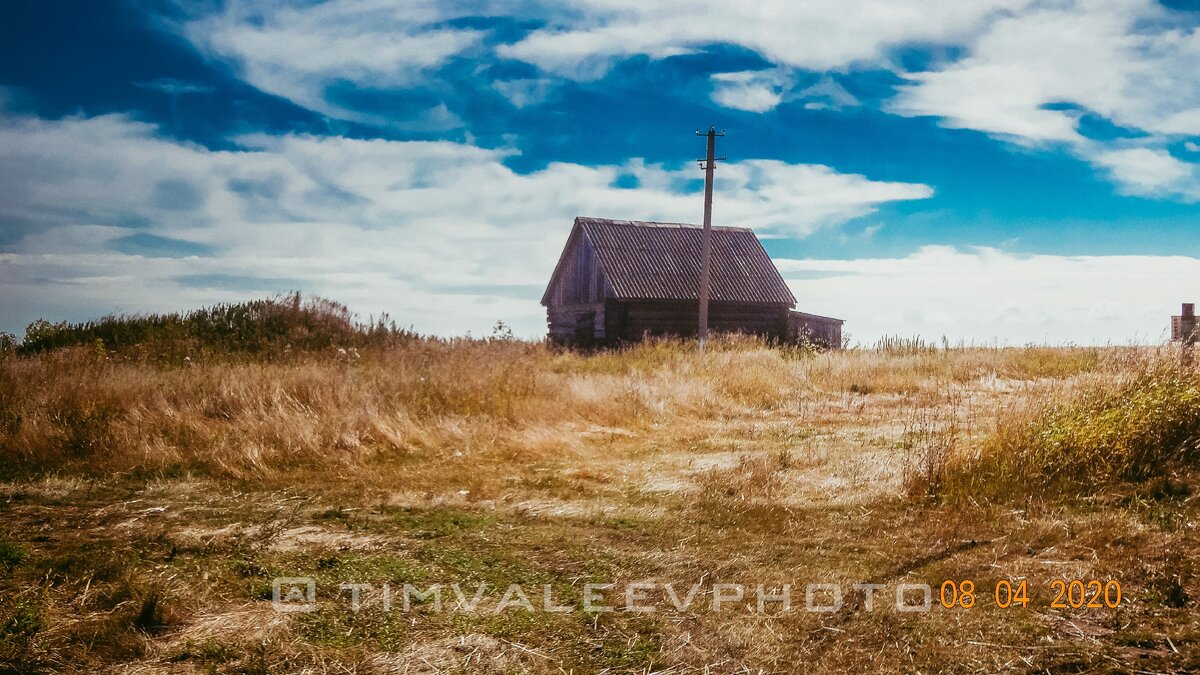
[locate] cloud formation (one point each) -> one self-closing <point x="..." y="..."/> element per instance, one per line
<point x="1030" y="72"/>
<point x="585" y="37"/>
<point x="453" y="235"/>
<point x="1149" y="171"/>
<point x="299" y="51"/>
<point x="1031" y="77"/>
<point x="103" y="208"/>
<point x="752" y="90"/>
<point x="1010" y="299"/>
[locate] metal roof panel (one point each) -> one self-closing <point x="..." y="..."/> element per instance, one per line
<point x="661" y="261"/>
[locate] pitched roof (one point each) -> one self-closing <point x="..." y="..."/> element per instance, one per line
<point x="661" y="261"/>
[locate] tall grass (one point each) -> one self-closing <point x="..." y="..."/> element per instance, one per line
<point x="267" y="386"/>
<point x="931" y="437"/>
<point x="79" y="410"/>
<point x="895" y="345"/>
<point x="1138" y="424"/>
<point x="74" y="410"/>
<point x="891" y="369"/>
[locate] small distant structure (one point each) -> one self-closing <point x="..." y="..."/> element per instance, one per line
<point x="1183" y="327"/>
<point x="620" y="280"/>
<point x="815" y="329"/>
<point x="1183" y="331"/>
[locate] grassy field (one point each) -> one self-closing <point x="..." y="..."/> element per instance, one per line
<point x="150" y="499"/>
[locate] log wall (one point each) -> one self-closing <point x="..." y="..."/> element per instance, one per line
<point x="630" y="320"/>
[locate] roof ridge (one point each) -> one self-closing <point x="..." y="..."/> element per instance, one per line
<point x="660" y="224"/>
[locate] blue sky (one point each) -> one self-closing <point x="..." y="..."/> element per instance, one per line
<point x="991" y="171"/>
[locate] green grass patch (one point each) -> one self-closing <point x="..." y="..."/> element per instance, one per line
<point x="11" y="555"/>
<point x="435" y="523"/>
<point x="471" y="567"/>
<point x="340" y="627"/>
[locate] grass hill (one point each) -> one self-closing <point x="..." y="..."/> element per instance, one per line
<point x="150" y="501"/>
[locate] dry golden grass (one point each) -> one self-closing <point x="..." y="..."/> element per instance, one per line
<point x="82" y="412"/>
<point x="1133" y="425"/>
<point x="148" y="506"/>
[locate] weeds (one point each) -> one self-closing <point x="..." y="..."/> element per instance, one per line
<point x="930" y="439"/>
<point x="894" y="345"/>
<point x="1137" y="426"/>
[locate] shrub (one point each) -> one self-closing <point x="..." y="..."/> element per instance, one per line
<point x="8" y="343"/>
<point x="269" y="326"/>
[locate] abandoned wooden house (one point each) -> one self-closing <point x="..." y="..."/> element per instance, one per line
<point x="620" y="280"/>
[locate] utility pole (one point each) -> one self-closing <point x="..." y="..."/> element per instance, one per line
<point x="706" y="238"/>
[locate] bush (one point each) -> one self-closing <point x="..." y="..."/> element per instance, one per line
<point x="273" y="325"/>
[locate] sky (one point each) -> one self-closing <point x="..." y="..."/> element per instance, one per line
<point x="991" y="171"/>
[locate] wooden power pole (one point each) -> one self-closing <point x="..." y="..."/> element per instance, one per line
<point x="706" y="238"/>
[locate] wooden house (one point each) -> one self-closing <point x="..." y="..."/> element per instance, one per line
<point x="619" y="280"/>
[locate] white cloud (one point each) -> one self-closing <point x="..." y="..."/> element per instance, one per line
<point x="1031" y="69"/>
<point x="1025" y="62"/>
<point x="796" y="199"/>
<point x="1155" y="173"/>
<point x="175" y="87"/>
<point x="589" y="35"/>
<point x="437" y="233"/>
<point x="985" y="295"/>
<point x="763" y="90"/>
<point x="752" y="90"/>
<point x="298" y="51"/>
<point x="524" y="91"/>
<point x="827" y="94"/>
<point x="1030" y="76"/>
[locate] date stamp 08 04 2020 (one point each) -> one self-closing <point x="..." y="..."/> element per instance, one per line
<point x="1074" y="594"/>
